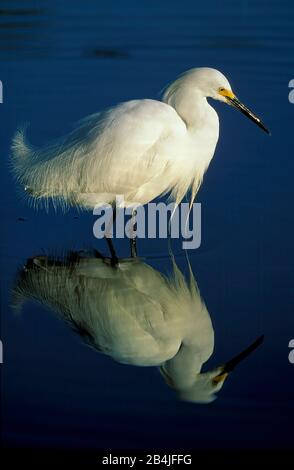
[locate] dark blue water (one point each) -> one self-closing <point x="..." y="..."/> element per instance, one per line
<point x="63" y="60"/>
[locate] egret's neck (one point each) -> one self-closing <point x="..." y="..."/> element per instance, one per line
<point x="190" y="105"/>
<point x="184" y="368"/>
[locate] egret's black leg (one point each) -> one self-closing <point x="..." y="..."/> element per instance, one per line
<point x="133" y="238"/>
<point x="114" y="258"/>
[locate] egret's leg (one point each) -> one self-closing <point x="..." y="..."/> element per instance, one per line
<point x="133" y="238"/>
<point x="114" y="258"/>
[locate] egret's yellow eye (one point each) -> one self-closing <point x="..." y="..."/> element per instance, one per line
<point x="227" y="93"/>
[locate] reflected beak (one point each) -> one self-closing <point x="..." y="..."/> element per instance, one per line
<point x="230" y="365"/>
<point x="233" y="100"/>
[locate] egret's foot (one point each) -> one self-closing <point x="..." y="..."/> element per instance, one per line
<point x="114" y="262"/>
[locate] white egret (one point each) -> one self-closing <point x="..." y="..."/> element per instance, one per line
<point x="139" y="149"/>
<point x="135" y="315"/>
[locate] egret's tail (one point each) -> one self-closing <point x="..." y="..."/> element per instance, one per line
<point x="37" y="170"/>
<point x="21" y="157"/>
<point x="20" y="148"/>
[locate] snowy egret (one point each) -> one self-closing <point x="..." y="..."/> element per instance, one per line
<point x="139" y="149"/>
<point x="135" y="315"/>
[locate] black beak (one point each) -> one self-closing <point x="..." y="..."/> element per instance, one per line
<point x="230" y="365"/>
<point x="238" y="105"/>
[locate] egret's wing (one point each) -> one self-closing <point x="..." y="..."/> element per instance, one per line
<point x="115" y="151"/>
<point x="123" y="153"/>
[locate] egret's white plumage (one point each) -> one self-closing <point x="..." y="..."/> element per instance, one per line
<point x="139" y="149"/>
<point x="133" y="314"/>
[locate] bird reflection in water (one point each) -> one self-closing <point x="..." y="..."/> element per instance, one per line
<point x="134" y="314"/>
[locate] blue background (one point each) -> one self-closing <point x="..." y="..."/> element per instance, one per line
<point x="63" y="60"/>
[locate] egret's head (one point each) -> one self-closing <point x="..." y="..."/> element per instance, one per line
<point x="211" y="84"/>
<point x="206" y="387"/>
<point x="214" y="84"/>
